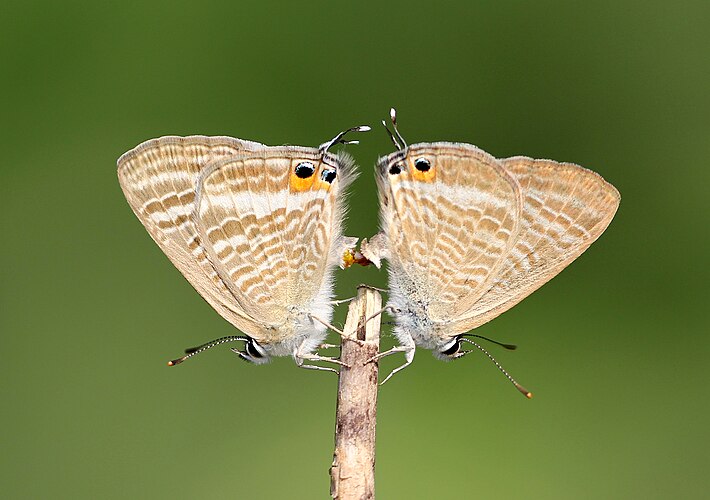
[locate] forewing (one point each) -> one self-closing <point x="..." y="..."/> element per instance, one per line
<point x="449" y="227"/>
<point x="565" y="209"/>
<point x="158" y="179"/>
<point x="269" y="232"/>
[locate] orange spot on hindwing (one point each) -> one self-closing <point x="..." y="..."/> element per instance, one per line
<point x="306" y="175"/>
<point x="298" y="184"/>
<point x="422" y="169"/>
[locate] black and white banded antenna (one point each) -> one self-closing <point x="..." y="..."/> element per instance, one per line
<point x="519" y="387"/>
<point x="192" y="351"/>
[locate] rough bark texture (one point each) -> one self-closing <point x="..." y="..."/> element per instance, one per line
<point x="352" y="475"/>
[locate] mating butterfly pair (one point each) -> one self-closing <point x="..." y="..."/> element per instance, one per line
<point x="257" y="230"/>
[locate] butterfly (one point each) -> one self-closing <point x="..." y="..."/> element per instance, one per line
<point x="467" y="236"/>
<point x="256" y="230"/>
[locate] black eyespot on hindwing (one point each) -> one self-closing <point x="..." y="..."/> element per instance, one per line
<point x="396" y="169"/>
<point x="328" y="176"/>
<point x="422" y="164"/>
<point x="304" y="170"/>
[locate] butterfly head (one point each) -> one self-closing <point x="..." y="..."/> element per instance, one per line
<point x="253" y="353"/>
<point x="449" y="350"/>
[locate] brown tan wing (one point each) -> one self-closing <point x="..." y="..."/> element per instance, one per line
<point x="451" y="213"/>
<point x="158" y="178"/>
<point x="270" y="232"/>
<point x="565" y="209"/>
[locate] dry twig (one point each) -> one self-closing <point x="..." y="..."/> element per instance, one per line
<point x="352" y="475"/>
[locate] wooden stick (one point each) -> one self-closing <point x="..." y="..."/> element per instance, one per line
<point x="352" y="475"/>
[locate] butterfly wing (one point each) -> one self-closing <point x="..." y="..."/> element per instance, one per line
<point x="448" y="226"/>
<point x="272" y="235"/>
<point x="158" y="178"/>
<point x="565" y="209"/>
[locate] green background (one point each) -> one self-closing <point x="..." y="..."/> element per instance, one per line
<point x="616" y="348"/>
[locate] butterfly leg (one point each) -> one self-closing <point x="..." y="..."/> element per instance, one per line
<point x="300" y="356"/>
<point x="301" y="364"/>
<point x="388" y="309"/>
<point x="341" y="301"/>
<point x="407" y="347"/>
<point x="326" y="324"/>
<point x="318" y="357"/>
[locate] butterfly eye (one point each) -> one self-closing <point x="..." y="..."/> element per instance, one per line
<point x="422" y="164"/>
<point x="252" y="353"/>
<point x="304" y="170"/>
<point x="452" y="349"/>
<point x="328" y="176"/>
<point x="396" y="169"/>
<point x="252" y="350"/>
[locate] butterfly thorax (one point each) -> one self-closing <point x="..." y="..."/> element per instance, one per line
<point x="299" y="332"/>
<point x="287" y="340"/>
<point x="412" y="319"/>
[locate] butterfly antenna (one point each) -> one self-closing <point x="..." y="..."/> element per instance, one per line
<point x="510" y="347"/>
<point x="393" y="117"/>
<point x="190" y="352"/>
<point x="519" y="387"/>
<point x="338" y="139"/>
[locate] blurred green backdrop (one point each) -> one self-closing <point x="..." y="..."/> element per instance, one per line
<point x="615" y="348"/>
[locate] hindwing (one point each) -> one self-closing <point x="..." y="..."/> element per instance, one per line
<point x="565" y="209"/>
<point x="158" y="178"/>
<point x="451" y="214"/>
